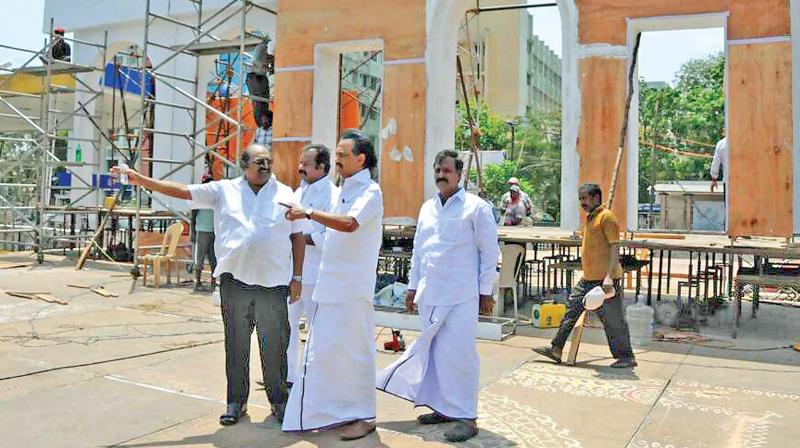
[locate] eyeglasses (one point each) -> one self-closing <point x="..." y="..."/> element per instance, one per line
<point x="261" y="162"/>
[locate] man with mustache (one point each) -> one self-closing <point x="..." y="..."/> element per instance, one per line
<point x="453" y="268"/>
<point x="258" y="252"/>
<point x="316" y="192"/>
<point x="336" y="384"/>
<point x="601" y="267"/>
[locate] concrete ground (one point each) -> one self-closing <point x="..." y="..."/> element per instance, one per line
<point x="146" y="369"/>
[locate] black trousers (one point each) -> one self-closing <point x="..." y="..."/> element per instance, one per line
<point x="612" y="314"/>
<point x="243" y="308"/>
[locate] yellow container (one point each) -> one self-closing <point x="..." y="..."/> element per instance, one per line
<point x="109" y="202"/>
<point x="548" y="315"/>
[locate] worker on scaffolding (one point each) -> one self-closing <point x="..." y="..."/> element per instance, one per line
<point x="203" y="238"/>
<point x="258" y="82"/>
<point x="60" y="49"/>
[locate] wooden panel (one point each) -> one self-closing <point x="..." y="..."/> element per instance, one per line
<point x="604" y="85"/>
<point x="304" y="23"/>
<point x="760" y="140"/>
<point x="753" y="19"/>
<point x="285" y="158"/>
<point x="403" y="153"/>
<point x="293" y="98"/>
<point x="603" y="21"/>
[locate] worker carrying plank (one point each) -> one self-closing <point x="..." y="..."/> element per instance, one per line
<point x="601" y="267"/>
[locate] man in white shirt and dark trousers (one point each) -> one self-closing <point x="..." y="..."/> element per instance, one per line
<point x="719" y="164"/>
<point x="260" y="263"/>
<point x="453" y="268"/>
<point x="316" y="192"/>
<point x="336" y="385"/>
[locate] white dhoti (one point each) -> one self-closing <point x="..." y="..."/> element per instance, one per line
<point x="336" y="380"/>
<point x="303" y="307"/>
<point x="440" y="369"/>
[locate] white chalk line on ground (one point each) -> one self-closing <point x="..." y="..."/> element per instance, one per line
<point x="120" y="379"/>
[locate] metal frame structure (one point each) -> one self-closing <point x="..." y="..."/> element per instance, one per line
<point x="35" y="166"/>
<point x="203" y="43"/>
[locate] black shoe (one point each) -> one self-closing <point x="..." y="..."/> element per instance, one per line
<point x="548" y="352"/>
<point x="233" y="414"/>
<point x="278" y="410"/>
<point x="434" y="418"/>
<point x="625" y="363"/>
<point x="461" y="432"/>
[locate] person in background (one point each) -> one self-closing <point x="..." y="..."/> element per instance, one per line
<point x="60" y="49"/>
<point x="513" y="209"/>
<point x="719" y="164"/>
<point x="203" y="225"/>
<point x="258" y="82"/>
<point x="526" y="200"/>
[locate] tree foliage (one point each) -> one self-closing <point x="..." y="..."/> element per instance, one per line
<point x="689" y="116"/>
<point x="534" y="158"/>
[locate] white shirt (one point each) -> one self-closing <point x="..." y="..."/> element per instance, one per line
<point x="253" y="236"/>
<point x="350" y="260"/>
<point x="318" y="196"/>
<point x="455" y="250"/>
<point x="720" y="161"/>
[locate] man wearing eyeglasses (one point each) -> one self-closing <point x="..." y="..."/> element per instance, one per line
<point x="258" y="251"/>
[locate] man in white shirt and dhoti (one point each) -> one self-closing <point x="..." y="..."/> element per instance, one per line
<point x="259" y="261"/>
<point x="316" y="192"/>
<point x="336" y="383"/>
<point x="453" y="268"/>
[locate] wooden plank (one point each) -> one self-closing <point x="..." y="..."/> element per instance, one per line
<point x="13" y="265"/>
<point x="763" y="18"/>
<point x="603" y="82"/>
<point x="760" y="140"/>
<point x="403" y="153"/>
<point x="293" y="99"/>
<point x="303" y="24"/>
<point x="216" y="48"/>
<point x="603" y="21"/>
<point x="43" y="296"/>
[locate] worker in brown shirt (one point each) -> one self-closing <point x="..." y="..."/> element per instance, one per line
<point x="601" y="267"/>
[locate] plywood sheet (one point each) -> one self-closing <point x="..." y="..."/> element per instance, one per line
<point x="304" y="23"/>
<point x="403" y="152"/>
<point x="285" y="158"/>
<point x="762" y="18"/>
<point x="604" y="85"/>
<point x="293" y="99"/>
<point x="603" y="21"/>
<point x="760" y="140"/>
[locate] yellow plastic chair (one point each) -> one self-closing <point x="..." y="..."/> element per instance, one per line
<point x="166" y="255"/>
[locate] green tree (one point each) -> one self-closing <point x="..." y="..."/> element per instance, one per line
<point x="689" y="116"/>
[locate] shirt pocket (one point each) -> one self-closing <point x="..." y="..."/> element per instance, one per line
<point x="454" y="230"/>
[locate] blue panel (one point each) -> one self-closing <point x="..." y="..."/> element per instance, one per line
<point x="128" y="78"/>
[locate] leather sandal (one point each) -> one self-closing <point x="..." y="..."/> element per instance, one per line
<point x="234" y="412"/>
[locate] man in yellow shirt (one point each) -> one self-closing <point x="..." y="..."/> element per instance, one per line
<point x="600" y="262"/>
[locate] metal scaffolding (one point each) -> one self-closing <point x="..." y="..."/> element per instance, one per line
<point x="26" y="177"/>
<point x="26" y="180"/>
<point x="203" y="43"/>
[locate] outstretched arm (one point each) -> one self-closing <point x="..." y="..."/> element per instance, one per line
<point x="166" y="187"/>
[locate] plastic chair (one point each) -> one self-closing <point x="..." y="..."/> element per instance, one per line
<point x="166" y="255"/>
<point x="513" y="261"/>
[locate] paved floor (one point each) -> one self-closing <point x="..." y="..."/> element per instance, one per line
<point x="146" y="370"/>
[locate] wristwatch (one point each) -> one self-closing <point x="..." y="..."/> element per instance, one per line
<point x="298" y="278"/>
<point x="309" y="212"/>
